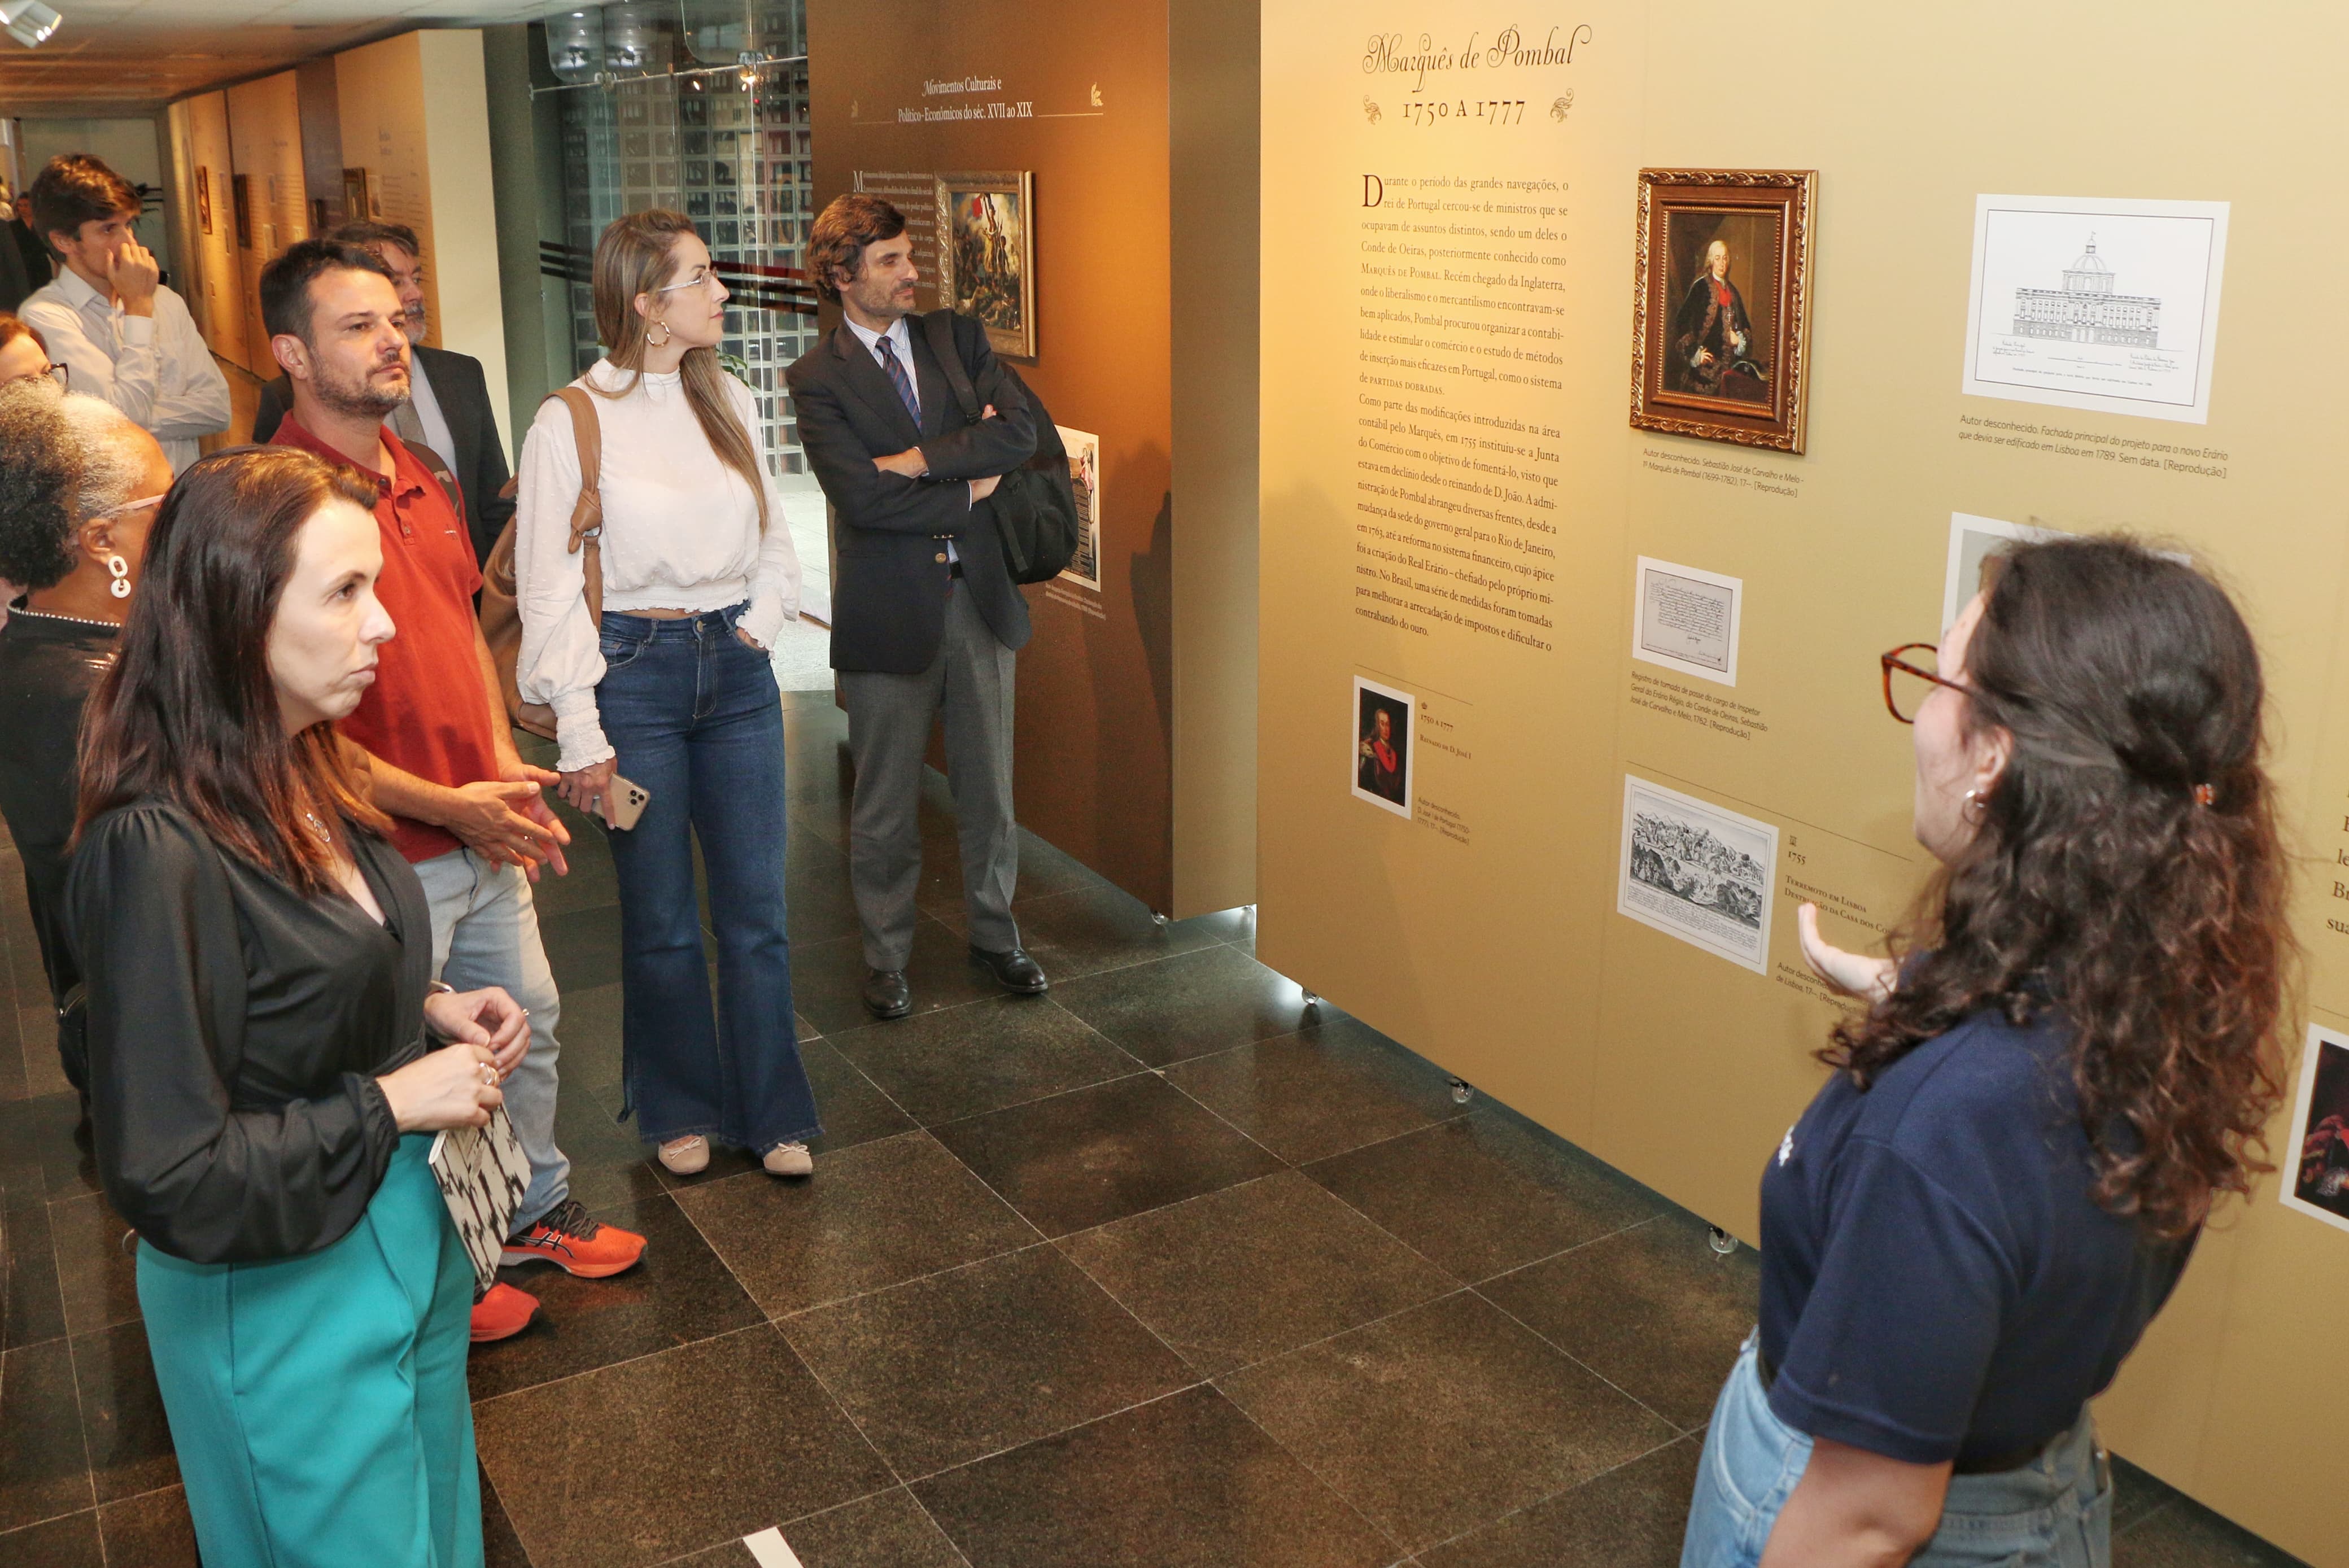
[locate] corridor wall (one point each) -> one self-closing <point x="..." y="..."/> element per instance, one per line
<point x="268" y="207"/>
<point x="1455" y="508"/>
<point x="1084" y="99"/>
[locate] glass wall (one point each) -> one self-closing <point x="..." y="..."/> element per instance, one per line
<point x="701" y="107"/>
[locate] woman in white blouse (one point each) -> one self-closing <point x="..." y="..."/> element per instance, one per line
<point x="673" y="692"/>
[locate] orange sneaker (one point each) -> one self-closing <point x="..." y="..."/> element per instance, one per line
<point x="502" y="1313"/>
<point x="566" y="1237"/>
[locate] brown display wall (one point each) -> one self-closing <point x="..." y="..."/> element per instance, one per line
<point x="1081" y="96"/>
<point x="1456" y="507"/>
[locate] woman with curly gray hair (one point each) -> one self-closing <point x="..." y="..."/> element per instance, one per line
<point x="78" y="485"/>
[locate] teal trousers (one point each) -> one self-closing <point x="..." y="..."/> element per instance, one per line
<point x="318" y="1404"/>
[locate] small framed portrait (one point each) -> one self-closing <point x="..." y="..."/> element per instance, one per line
<point x="2316" y="1160"/>
<point x="204" y="198"/>
<point x="1381" y="752"/>
<point x="987" y="255"/>
<point x="1721" y="326"/>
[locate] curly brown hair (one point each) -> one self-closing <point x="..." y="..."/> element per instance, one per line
<point x="836" y="245"/>
<point x="2127" y="872"/>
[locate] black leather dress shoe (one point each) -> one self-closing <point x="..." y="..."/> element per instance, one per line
<point x="887" y="995"/>
<point x="1014" y="971"/>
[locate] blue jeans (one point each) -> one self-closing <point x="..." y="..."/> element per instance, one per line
<point x="2053" y="1512"/>
<point x="485" y="933"/>
<point x="698" y="722"/>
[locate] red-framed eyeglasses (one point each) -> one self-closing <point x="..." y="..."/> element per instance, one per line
<point x="1908" y="679"/>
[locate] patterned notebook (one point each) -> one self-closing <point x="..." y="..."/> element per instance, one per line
<point x="482" y="1175"/>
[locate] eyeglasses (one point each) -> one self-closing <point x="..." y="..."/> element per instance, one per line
<point x="56" y="373"/>
<point x="1908" y="681"/>
<point x="701" y="279"/>
<point x="144" y="500"/>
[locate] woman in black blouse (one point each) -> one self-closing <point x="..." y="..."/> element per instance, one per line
<point x="79" y="484"/>
<point x="2060" y="1078"/>
<point x="257" y="959"/>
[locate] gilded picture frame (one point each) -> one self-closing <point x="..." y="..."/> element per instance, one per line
<point x="1720" y="322"/>
<point x="987" y="255"/>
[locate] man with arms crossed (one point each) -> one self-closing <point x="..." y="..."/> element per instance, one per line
<point x="925" y="613"/>
<point x="447" y="411"/>
<point x="466" y="811"/>
<point x="122" y="335"/>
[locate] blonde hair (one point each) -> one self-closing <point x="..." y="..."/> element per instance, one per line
<point x="637" y="255"/>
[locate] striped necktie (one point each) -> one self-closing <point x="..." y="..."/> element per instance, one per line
<point x="898" y="378"/>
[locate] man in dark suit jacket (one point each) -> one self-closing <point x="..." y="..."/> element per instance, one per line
<point x="448" y="412"/>
<point x="924" y="614"/>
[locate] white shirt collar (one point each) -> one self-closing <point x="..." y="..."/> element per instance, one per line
<point x="901" y="340"/>
<point x="77" y="291"/>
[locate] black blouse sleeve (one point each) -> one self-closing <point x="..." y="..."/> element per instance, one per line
<point x="155" y="921"/>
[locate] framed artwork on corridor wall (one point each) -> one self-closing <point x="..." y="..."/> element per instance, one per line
<point x="1721" y="325"/>
<point x="987" y="255"/>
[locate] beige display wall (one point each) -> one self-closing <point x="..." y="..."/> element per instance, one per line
<point x="201" y="166"/>
<point x="1482" y="929"/>
<point x="264" y="128"/>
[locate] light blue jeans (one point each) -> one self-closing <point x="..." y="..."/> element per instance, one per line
<point x="485" y="933"/>
<point x="2053" y="1512"/>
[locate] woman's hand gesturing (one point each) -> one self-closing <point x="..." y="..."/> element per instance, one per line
<point x="1853" y="973"/>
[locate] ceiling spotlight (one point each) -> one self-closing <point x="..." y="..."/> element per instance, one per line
<point x="28" y="22"/>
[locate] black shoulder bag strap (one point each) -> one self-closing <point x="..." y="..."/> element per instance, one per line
<point x="938" y="326"/>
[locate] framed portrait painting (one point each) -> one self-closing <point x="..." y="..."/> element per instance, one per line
<point x="987" y="255"/>
<point x="1720" y="327"/>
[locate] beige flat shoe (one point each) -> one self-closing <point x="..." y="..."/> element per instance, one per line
<point x="789" y="1159"/>
<point x="686" y="1156"/>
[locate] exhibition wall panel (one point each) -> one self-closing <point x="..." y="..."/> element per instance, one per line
<point x="416" y="151"/>
<point x="268" y="203"/>
<point x="1075" y="99"/>
<point x="215" y="288"/>
<point x="1635" y="669"/>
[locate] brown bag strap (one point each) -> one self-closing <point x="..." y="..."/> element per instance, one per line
<point x="587" y="511"/>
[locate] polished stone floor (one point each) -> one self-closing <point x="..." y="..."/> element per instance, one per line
<point x="1164" y="1269"/>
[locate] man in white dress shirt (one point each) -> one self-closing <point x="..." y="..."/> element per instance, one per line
<point x="122" y="335"/>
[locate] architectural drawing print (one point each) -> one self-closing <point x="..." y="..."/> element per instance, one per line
<point x="2086" y="310"/>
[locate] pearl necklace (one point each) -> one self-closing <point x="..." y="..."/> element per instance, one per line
<point x="76" y="620"/>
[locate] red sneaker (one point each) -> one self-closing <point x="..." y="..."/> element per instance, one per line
<point x="565" y="1237"/>
<point x="502" y="1313"/>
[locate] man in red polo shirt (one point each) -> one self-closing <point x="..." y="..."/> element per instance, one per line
<point x="466" y="809"/>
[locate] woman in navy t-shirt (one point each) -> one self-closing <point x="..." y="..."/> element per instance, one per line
<point x="1973" y="1222"/>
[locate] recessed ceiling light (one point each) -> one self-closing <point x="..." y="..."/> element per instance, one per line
<point x="28" y="22"/>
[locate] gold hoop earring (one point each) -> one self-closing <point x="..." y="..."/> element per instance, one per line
<point x="660" y="342"/>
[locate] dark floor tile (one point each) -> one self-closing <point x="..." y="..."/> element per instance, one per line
<point x="610" y="1164"/>
<point x="890" y="1531"/>
<point x="501" y="1547"/>
<point x="590" y="1032"/>
<point x="590" y="883"/>
<point x="820" y="904"/>
<point x="2136" y="1494"/>
<point x="1481" y="1192"/>
<point x="964" y="1061"/>
<point x="679" y="1293"/>
<point x="1255" y="1269"/>
<point x="2185" y="1534"/>
<point x="153" y="1531"/>
<point x="97" y="1280"/>
<point x="1654" y="1310"/>
<point x="653" y="1458"/>
<point x="32" y="1309"/>
<point x="1172" y="1008"/>
<point x="1444" y="1417"/>
<point x="43" y="1468"/>
<point x="1096" y="927"/>
<point x="1181" y="1482"/>
<point x="67" y="1542"/>
<point x="1325" y="1089"/>
<point x="122" y="1413"/>
<point x="726" y="1554"/>
<point x="1235" y="924"/>
<point x="828" y="977"/>
<point x="855" y="1108"/>
<point x="1045" y="870"/>
<point x="1632" y="1517"/>
<point x="1098" y="1154"/>
<point x="582" y="947"/>
<point x="944" y="1369"/>
<point x="874" y="1216"/>
<point x="43" y="1156"/>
